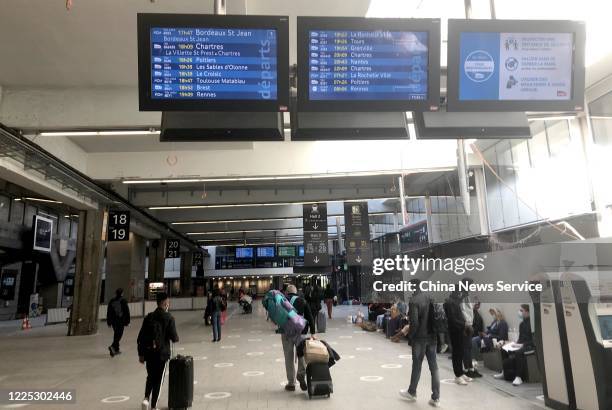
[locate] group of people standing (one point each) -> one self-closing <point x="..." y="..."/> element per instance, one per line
<point x="467" y="334"/>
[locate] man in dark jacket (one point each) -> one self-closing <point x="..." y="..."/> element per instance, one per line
<point x="457" y="329"/>
<point x="157" y="331"/>
<point x="117" y="317"/>
<point x="423" y="340"/>
<point x="314" y="296"/>
<point x="303" y="309"/>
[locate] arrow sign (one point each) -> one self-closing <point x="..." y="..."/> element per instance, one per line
<point x="357" y="229"/>
<point x="314" y="221"/>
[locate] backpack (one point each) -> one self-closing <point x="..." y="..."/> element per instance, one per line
<point x="437" y="322"/>
<point x="117" y="308"/>
<point x="153" y="334"/>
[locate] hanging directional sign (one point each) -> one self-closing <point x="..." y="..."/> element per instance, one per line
<point x="315" y="235"/>
<point x="198" y="259"/>
<point x="357" y="230"/>
<point x="118" y="226"/>
<point x="173" y="247"/>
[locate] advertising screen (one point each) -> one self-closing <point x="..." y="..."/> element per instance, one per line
<point x="301" y="251"/>
<point x="517" y="66"/>
<point x="367" y="64"/>
<point x="43" y="232"/>
<point x="187" y="63"/>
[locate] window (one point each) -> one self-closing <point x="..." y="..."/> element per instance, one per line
<point x="601" y="119"/>
<point x="558" y="135"/>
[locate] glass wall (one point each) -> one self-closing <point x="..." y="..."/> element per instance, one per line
<point x="537" y="179"/>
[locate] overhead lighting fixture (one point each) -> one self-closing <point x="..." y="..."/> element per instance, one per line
<point x="97" y="133"/>
<point x="280" y="177"/>
<point x="290" y="218"/>
<point x="51" y="201"/>
<point x="552" y="118"/>
<point x="244" y="231"/>
<point x="159" y="208"/>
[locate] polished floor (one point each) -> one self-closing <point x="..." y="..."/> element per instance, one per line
<point x="244" y="371"/>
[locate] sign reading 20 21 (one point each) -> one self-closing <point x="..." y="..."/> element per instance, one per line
<point x="515" y="66"/>
<point x="213" y="63"/>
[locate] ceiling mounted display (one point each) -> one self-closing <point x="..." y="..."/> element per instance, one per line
<point x="213" y="62"/>
<point x="367" y="64"/>
<point x="515" y="65"/>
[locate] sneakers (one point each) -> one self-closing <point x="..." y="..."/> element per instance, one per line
<point x="473" y="374"/>
<point x="443" y="348"/>
<point x="461" y="381"/>
<point x="498" y="375"/>
<point x="302" y="381"/>
<point x="434" y="403"/>
<point x="467" y="378"/>
<point x="290" y="387"/>
<point x="404" y="393"/>
<point x="145" y="405"/>
<point x="517" y="381"/>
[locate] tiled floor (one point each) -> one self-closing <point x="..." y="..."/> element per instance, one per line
<point x="244" y="371"/>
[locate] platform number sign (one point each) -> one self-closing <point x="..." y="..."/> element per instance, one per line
<point x="173" y="247"/>
<point x="118" y="226"/>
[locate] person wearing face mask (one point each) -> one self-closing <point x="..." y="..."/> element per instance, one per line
<point x="515" y="364"/>
<point x="157" y="331"/>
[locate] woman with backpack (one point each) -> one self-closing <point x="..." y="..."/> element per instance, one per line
<point x="218" y="306"/>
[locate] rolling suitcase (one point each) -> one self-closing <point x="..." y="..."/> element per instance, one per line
<point x="318" y="380"/>
<point x="321" y="322"/>
<point x="180" y="382"/>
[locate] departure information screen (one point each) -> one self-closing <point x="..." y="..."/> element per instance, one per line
<point x="244" y="253"/>
<point x="213" y="64"/>
<point x="367" y="65"/>
<point x="516" y="66"/>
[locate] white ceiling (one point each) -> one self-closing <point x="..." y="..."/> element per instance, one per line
<point x="94" y="44"/>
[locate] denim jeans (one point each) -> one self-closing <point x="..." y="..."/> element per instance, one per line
<point x="420" y="350"/>
<point x="216" y="325"/>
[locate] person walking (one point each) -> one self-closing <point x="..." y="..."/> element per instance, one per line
<point x="456" y="332"/>
<point x="329" y="299"/>
<point x="117" y="317"/>
<point x="157" y="331"/>
<point x="314" y="295"/>
<point x="218" y="306"/>
<point x="289" y="348"/>
<point x="422" y="338"/>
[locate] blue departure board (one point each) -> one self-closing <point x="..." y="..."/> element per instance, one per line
<point x="368" y="65"/>
<point x="244" y="253"/>
<point x="213" y="64"/>
<point x="265" y="252"/>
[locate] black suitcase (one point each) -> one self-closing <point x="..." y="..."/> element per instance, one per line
<point x="180" y="382"/>
<point x="319" y="380"/>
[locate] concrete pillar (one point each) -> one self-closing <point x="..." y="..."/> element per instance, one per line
<point x="88" y="274"/>
<point x="186" y="265"/>
<point x="157" y="260"/>
<point x="125" y="268"/>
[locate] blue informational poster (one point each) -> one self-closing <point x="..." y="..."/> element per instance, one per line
<point x="367" y="65"/>
<point x="213" y="64"/>
<point x="301" y="251"/>
<point x="515" y="66"/>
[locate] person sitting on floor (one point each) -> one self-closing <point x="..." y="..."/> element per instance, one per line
<point x="514" y="361"/>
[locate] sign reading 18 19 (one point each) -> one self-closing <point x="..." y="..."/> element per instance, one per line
<point x="118" y="226"/>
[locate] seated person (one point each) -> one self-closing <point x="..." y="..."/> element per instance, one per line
<point x="377" y="309"/>
<point x="515" y="364"/>
<point x="498" y="329"/>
